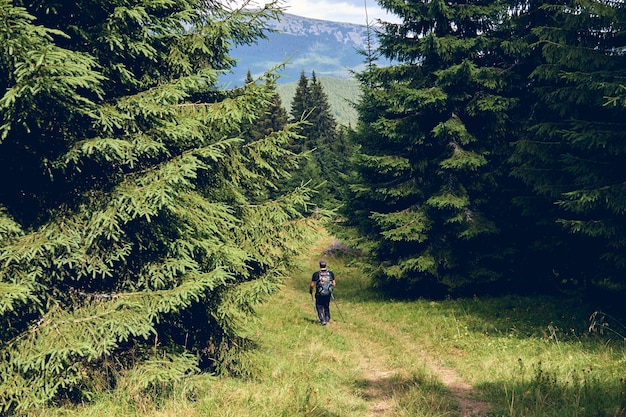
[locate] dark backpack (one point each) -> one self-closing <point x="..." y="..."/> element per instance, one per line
<point x="324" y="283"/>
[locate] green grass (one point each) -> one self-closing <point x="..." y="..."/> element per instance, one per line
<point x="527" y="356"/>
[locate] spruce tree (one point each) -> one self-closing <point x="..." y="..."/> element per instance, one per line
<point x="576" y="142"/>
<point x="135" y="230"/>
<point x="430" y="189"/>
<point x="310" y="103"/>
<point x="329" y="157"/>
<point x="319" y="136"/>
<point x="300" y="108"/>
<point x="323" y="126"/>
<point x="275" y="118"/>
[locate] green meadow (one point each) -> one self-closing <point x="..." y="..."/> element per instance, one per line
<point x="507" y="356"/>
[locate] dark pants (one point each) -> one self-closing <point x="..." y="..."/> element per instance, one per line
<point x="322" y="305"/>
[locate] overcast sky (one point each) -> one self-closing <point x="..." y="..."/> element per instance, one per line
<point x="349" y="11"/>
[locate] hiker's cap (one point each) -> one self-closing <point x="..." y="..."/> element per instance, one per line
<point x="322" y="263"/>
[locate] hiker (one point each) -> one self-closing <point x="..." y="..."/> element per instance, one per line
<point x="323" y="281"/>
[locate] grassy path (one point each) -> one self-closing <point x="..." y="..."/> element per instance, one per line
<point x="363" y="366"/>
<point x="510" y="356"/>
<point x="529" y="356"/>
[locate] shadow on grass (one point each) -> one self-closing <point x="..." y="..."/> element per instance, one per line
<point x="579" y="394"/>
<point x="556" y="319"/>
<point x="387" y="391"/>
<point x="311" y="320"/>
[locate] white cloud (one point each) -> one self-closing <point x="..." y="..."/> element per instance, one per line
<point x="338" y="11"/>
<point x="349" y="11"/>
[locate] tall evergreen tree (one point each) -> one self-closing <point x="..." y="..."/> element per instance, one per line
<point x="310" y="103"/>
<point x="572" y="156"/>
<point x="275" y="117"/>
<point x="135" y="232"/>
<point x="430" y="189"/>
<point x="271" y="120"/>
<point x="330" y="151"/>
<point x="300" y="108"/>
<point x="323" y="126"/>
<point x="319" y="134"/>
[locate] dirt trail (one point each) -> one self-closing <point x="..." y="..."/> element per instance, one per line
<point x="462" y="391"/>
<point x="379" y="389"/>
<point x="380" y="378"/>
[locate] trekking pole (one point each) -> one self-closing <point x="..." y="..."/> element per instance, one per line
<point x="337" y="305"/>
<point x="313" y="303"/>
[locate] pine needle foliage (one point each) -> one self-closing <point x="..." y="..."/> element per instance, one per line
<point x="428" y="186"/>
<point x="573" y="155"/>
<point x="136" y="231"/>
<point x="443" y="198"/>
<point x="319" y="135"/>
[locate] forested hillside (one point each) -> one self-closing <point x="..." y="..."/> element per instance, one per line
<point x="331" y="49"/>
<point x="343" y="94"/>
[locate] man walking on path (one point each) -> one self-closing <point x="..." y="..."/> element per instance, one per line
<point x="323" y="282"/>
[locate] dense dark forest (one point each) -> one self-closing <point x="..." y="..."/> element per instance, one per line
<point x="490" y="158"/>
<point x="144" y="211"/>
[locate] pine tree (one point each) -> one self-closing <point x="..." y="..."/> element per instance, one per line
<point x="319" y="135"/>
<point x="275" y="116"/>
<point x="323" y="126"/>
<point x="572" y="156"/>
<point x="300" y="108"/>
<point x="429" y="191"/>
<point x="135" y="232"/>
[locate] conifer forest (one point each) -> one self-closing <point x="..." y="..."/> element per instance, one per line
<point x="145" y="211"/>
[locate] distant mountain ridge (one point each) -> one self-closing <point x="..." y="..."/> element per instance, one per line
<point x="328" y="48"/>
<point x="346" y="33"/>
